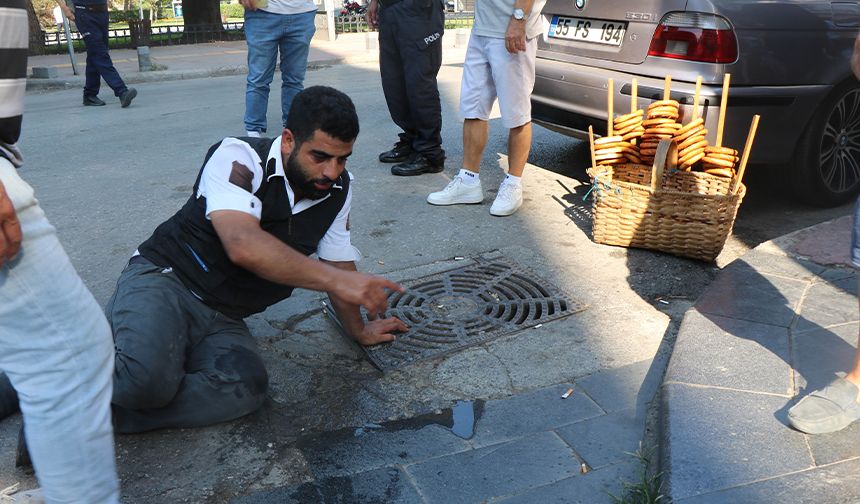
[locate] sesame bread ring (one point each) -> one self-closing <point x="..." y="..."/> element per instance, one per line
<point x="723" y="157"/>
<point x="607" y="139"/>
<point x="688" y="163"/>
<point x="695" y="123"/>
<point x="722" y="150"/>
<point x="663" y="112"/>
<point x="632" y="123"/>
<point x="633" y="135"/>
<point x="720" y="172"/>
<point x="696" y="142"/>
<point x="612" y="161"/>
<point x="662" y="131"/>
<point x="717" y="162"/>
<point x="691" y="157"/>
<point x="661" y="103"/>
<point x="631" y="115"/>
<point x="657" y="121"/>
<point x="680" y="137"/>
<point x="658" y="136"/>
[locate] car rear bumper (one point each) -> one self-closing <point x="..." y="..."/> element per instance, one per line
<point x="569" y="97"/>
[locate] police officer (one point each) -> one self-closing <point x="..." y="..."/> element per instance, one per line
<point x="410" y="55"/>
<point x="91" y="18"/>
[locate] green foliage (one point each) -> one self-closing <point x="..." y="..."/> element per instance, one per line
<point x="232" y="11"/>
<point x="648" y="489"/>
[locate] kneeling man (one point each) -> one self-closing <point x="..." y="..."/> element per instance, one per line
<point x="260" y="207"/>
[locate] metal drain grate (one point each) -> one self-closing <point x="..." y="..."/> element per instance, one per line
<point x="466" y="306"/>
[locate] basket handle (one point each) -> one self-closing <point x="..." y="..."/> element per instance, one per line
<point x="666" y="156"/>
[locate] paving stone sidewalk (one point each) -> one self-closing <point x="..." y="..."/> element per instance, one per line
<point x="532" y="447"/>
<point x="775" y="325"/>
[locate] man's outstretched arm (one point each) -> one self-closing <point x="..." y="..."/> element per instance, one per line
<point x="254" y="249"/>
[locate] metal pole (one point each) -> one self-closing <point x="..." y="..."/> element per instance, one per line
<point x="69" y="44"/>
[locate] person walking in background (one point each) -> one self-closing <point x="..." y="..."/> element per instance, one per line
<point x="500" y="63"/>
<point x="91" y="18"/>
<point x="55" y="343"/>
<point x="410" y="55"/>
<point x="273" y="26"/>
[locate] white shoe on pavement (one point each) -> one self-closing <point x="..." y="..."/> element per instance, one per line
<point x="508" y="200"/>
<point x="457" y="193"/>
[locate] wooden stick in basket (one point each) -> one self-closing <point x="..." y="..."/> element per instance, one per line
<point x="745" y="156"/>
<point x="609" y="119"/>
<point x="667" y="87"/>
<point x="591" y="145"/>
<point x="633" y="97"/>
<point x="724" y="100"/>
<point x="696" y="98"/>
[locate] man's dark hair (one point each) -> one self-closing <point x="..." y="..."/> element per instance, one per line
<point x="322" y="108"/>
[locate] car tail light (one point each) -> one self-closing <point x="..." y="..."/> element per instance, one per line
<point x="695" y="36"/>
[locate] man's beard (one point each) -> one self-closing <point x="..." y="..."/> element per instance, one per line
<point x="304" y="184"/>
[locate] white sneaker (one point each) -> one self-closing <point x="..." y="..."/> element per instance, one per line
<point x="508" y="200"/>
<point x="456" y="193"/>
<point x="253" y="134"/>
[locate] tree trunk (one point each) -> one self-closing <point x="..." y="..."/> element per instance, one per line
<point x="202" y="20"/>
<point x="37" y="38"/>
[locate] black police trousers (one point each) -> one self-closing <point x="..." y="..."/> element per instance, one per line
<point x="410" y="55"/>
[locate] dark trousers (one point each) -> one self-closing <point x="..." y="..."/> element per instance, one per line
<point x="410" y="55"/>
<point x="93" y="27"/>
<point x="179" y="363"/>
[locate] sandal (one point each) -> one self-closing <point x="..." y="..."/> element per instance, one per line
<point x="827" y="410"/>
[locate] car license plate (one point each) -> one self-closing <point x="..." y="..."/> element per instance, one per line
<point x="597" y="31"/>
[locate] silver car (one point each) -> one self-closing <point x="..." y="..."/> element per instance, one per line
<point x="789" y="62"/>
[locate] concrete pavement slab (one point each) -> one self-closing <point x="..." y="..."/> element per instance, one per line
<point x="532" y="412"/>
<point x="819" y="354"/>
<point x="740" y="291"/>
<point x="596" y="487"/>
<point x="833" y="484"/>
<point x="730" y="353"/>
<point x="495" y="471"/>
<point x="724" y="438"/>
<point x="607" y="439"/>
<point x="626" y="387"/>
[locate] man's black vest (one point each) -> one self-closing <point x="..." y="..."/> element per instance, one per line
<point x="188" y="243"/>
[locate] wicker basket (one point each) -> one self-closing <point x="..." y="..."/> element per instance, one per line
<point x="688" y="214"/>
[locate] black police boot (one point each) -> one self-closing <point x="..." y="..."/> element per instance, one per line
<point x="8" y="397"/>
<point x="92" y="101"/>
<point x="399" y="153"/>
<point x="418" y="164"/>
<point x="126" y="98"/>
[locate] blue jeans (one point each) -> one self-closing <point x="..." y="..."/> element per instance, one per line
<point x="56" y="348"/>
<point x="93" y="27"/>
<point x="268" y="33"/>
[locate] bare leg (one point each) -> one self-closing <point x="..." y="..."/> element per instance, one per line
<point x="475" y="133"/>
<point x="519" y="145"/>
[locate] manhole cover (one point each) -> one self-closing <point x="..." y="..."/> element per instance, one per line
<point x="466" y="306"/>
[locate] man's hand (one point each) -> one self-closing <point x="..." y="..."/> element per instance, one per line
<point x="371" y="16"/>
<point x="515" y="36"/>
<point x="10" y="228"/>
<point x="248" y="4"/>
<point x="380" y="331"/>
<point x="361" y="289"/>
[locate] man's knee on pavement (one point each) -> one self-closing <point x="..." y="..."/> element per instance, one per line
<point x="244" y="370"/>
<point x="137" y="387"/>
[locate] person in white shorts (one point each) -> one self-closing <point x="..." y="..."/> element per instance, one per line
<point x="500" y="63"/>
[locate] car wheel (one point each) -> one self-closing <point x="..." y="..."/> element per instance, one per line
<point x="826" y="167"/>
